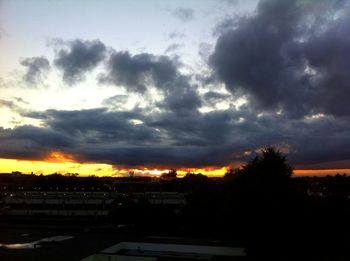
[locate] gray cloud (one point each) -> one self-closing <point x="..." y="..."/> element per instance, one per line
<point x="36" y="67"/>
<point x="135" y="72"/>
<point x="116" y="101"/>
<point x="80" y="58"/>
<point x="20" y="100"/>
<point x="184" y="14"/>
<point x="204" y="51"/>
<point x="13" y="104"/>
<point x="176" y="35"/>
<point x="182" y="98"/>
<point x="270" y="57"/>
<point x="231" y="2"/>
<point x="184" y="101"/>
<point x="173" y="48"/>
<point x="2" y="83"/>
<point x="8" y="104"/>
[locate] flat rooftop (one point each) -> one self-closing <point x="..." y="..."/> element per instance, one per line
<point x="146" y="251"/>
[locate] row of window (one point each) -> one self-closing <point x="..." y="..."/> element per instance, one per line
<point x="60" y="206"/>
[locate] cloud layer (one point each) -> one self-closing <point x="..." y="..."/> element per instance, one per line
<point x="289" y="61"/>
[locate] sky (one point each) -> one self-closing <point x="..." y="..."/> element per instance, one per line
<point x="109" y="87"/>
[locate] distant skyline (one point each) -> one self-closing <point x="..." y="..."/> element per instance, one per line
<point x="108" y="87"/>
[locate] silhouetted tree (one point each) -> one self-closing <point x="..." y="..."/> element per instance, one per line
<point x="262" y="192"/>
<point x="195" y="177"/>
<point x="172" y="174"/>
<point x="266" y="175"/>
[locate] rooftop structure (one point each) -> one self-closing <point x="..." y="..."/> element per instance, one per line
<point x="141" y="251"/>
<point x="53" y="204"/>
<point x="77" y="204"/>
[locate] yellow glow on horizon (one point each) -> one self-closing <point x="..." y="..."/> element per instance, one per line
<point x="181" y="172"/>
<point x="210" y="172"/>
<point x="147" y="172"/>
<point x="56" y="165"/>
<point x="58" y="162"/>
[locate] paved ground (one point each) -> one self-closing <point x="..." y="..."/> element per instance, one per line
<point x="84" y="242"/>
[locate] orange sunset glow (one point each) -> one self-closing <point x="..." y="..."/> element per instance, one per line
<point x="57" y="156"/>
<point x="59" y="162"/>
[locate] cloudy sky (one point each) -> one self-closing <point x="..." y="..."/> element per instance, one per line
<point x="105" y="87"/>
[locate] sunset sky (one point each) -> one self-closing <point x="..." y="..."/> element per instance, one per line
<point x="108" y="87"/>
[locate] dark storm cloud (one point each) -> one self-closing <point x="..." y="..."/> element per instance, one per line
<point x="270" y="56"/>
<point x="32" y="143"/>
<point x="79" y="58"/>
<point x="183" y="102"/>
<point x="184" y="14"/>
<point x="182" y="98"/>
<point x="328" y="53"/>
<point x="318" y="141"/>
<point x="166" y="157"/>
<point x="196" y="129"/>
<point x="98" y="135"/>
<point x="95" y="125"/>
<point x="227" y="134"/>
<point x="36" y="67"/>
<point x="41" y="136"/>
<point x="135" y="72"/>
<point x="168" y="138"/>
